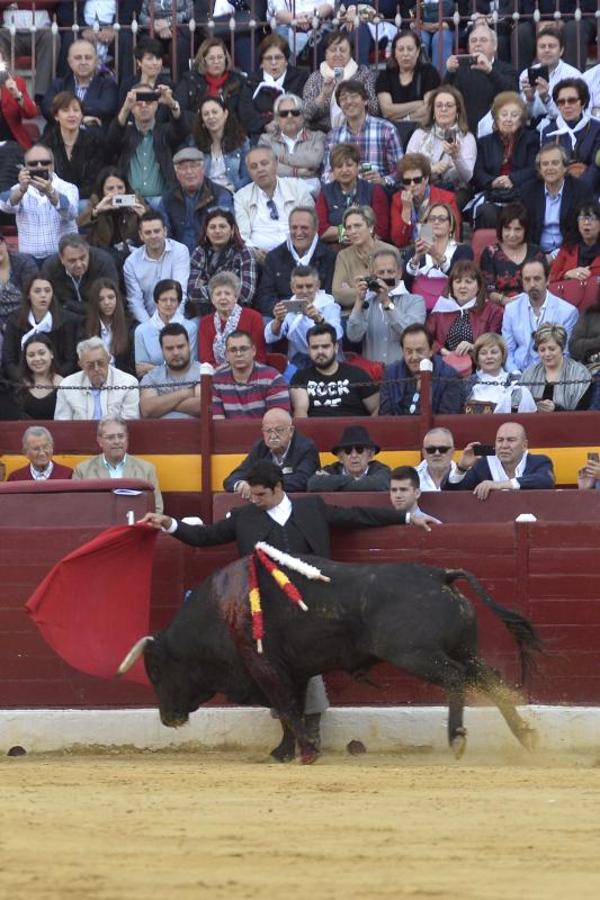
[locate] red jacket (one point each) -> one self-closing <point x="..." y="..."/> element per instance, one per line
<point x="14" y="114"/>
<point x="24" y="474"/>
<point x="568" y="258"/>
<point x="487" y="319"/>
<point x="250" y="321"/>
<point x="402" y="233"/>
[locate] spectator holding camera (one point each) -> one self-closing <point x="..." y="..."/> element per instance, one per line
<point x="45" y="206"/>
<point x="356" y="260"/>
<point x="446" y="141"/>
<point x="308" y="306"/>
<point x="112" y="216"/>
<point x="537" y="82"/>
<point x="383" y="309"/>
<point x="145" y="146"/>
<point x="507" y="466"/>
<point x="480" y="76"/>
<point x="15" y="105"/>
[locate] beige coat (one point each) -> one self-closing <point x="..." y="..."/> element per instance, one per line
<point x="134" y="468"/>
<point x="348" y="266"/>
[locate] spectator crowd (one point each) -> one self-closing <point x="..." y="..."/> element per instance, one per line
<point x="423" y="199"/>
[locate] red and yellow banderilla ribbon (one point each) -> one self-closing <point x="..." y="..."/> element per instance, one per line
<point x="281" y="579"/>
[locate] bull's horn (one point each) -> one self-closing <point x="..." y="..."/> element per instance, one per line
<point x="134" y="654"/>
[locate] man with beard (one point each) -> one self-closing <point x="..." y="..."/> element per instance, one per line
<point x="328" y="387"/>
<point x="534" y="307"/>
<point x="172" y="390"/>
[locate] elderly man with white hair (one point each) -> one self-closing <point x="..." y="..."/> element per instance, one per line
<point x="38" y="447"/>
<point x="436" y="465"/>
<point x="99" y="390"/>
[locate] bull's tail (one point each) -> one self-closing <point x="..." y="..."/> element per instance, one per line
<point x="523" y="631"/>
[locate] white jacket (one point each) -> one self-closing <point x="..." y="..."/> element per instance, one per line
<point x="293" y="190"/>
<point x="74" y="405"/>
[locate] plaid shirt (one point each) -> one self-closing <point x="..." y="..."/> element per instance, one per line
<point x="40" y="225"/>
<point x="377" y="141"/>
<point x="202" y="268"/>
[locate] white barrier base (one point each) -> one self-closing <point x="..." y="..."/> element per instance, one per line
<point x="382" y="729"/>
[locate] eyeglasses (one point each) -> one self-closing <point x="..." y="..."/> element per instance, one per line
<point x="418" y="179"/>
<point x="277" y="58"/>
<point x="38" y="162"/>
<point x="433" y="450"/>
<point x="284" y="113"/>
<point x="438" y="219"/>
<point x="564" y="101"/>
<point x="281" y="430"/>
<point x="236" y="350"/>
<point x="589" y="220"/>
<point x="414" y="403"/>
<point x="273" y="211"/>
<point x="444" y="105"/>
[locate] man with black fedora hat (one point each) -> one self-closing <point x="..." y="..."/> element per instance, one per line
<point x="356" y="470"/>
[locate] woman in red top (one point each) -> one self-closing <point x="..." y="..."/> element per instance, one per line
<point x="229" y="316"/>
<point x="15" y="105"/>
<point x="579" y="257"/>
<point x="457" y="320"/>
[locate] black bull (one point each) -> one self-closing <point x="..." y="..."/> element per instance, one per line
<point x="410" y="615"/>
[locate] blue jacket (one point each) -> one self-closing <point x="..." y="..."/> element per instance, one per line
<point x="397" y="389"/>
<point x="101" y="98"/>
<point x="538" y="475"/>
<point x="235" y="165"/>
<point x="517" y="328"/>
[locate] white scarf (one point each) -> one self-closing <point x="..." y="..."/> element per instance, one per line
<point x="41" y="327"/>
<point x="302" y="260"/>
<point x="449" y="304"/>
<point x="426" y="481"/>
<point x="270" y="82"/>
<point x="159" y="324"/>
<point x="222" y="332"/>
<point x="337" y="116"/>
<point x="499" y="472"/>
<point x="564" y="127"/>
<point x="490" y="388"/>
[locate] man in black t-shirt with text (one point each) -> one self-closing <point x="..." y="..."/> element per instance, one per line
<point x="328" y="387"/>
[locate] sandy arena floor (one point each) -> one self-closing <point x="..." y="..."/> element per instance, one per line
<point x="126" y="825"/>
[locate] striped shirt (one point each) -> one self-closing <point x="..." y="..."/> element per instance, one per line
<point x="264" y="390"/>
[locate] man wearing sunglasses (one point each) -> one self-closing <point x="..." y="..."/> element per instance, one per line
<point x="437" y="464"/>
<point x="262" y="208"/>
<point x="414" y="195"/>
<point x="356" y="469"/>
<point x="44" y="206"/>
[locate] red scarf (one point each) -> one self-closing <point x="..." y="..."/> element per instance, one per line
<point x="215" y="83"/>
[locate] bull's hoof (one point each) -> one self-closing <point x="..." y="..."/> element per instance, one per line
<point x="283" y="754"/>
<point x="529" y="737"/>
<point x="458" y="743"/>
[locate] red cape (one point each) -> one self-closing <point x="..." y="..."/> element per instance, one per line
<point x="95" y="603"/>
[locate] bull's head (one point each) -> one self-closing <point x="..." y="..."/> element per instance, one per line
<point x="176" y="688"/>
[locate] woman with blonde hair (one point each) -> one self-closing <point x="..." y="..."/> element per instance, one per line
<point x="491" y="384"/>
<point x="556" y="382"/>
<point x="356" y="260"/>
<point x="446" y="141"/>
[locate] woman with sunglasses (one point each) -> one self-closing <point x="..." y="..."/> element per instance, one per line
<point x="574" y="129"/>
<point x="275" y="77"/>
<point x="415" y="195"/>
<point x="224" y="143"/>
<point x="428" y="263"/>
<point x="298" y="150"/>
<point x="446" y="141"/>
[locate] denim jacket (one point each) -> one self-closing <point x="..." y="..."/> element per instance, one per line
<point x="235" y="165"/>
